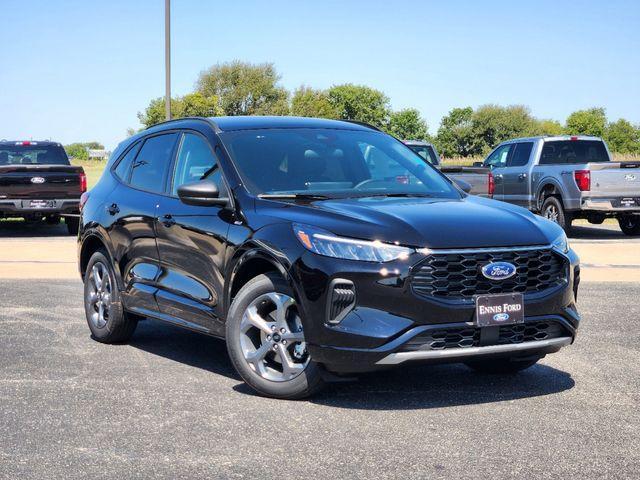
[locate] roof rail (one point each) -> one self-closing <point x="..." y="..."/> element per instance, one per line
<point x="203" y="119"/>
<point x="363" y="124"/>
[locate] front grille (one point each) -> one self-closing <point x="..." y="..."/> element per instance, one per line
<point x="465" y="337"/>
<point x="458" y="275"/>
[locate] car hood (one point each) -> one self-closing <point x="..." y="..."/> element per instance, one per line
<point x="470" y="222"/>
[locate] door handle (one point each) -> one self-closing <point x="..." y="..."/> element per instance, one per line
<point x="522" y="176"/>
<point x="113" y="209"/>
<point x="168" y="221"/>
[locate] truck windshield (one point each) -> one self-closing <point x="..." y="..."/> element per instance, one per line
<point x="331" y="163"/>
<point x="427" y="152"/>
<point x="573" y="151"/>
<point x="33" y="154"/>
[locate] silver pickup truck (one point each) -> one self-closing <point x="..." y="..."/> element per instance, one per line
<point x="567" y="177"/>
<point x="477" y="176"/>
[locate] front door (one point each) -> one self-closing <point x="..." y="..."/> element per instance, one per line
<point x="192" y="243"/>
<point x="497" y="161"/>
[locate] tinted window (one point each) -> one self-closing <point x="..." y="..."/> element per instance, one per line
<point x="149" y="168"/>
<point x="122" y="169"/>
<point x="195" y="161"/>
<point x="521" y="154"/>
<point x="573" y="151"/>
<point x="33" y="154"/>
<point x="335" y="162"/>
<point x="499" y="156"/>
<point x="427" y="152"/>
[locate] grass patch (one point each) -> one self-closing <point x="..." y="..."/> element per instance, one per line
<point x="93" y="169"/>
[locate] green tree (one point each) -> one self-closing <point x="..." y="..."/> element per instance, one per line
<point x="455" y="136"/>
<point x="309" y="102"/>
<point x="623" y="137"/>
<point x="407" y="124"/>
<point x="493" y="124"/>
<point x="548" y="127"/>
<point x="361" y="103"/>
<point x="190" y="105"/>
<point x="243" y="88"/>
<point x="587" y="122"/>
<point x="79" y="150"/>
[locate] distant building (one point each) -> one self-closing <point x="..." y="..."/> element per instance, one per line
<point x="98" y="154"/>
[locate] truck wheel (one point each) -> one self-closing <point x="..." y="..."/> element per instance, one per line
<point x="501" y="365"/>
<point x="630" y="224"/>
<point x="72" y="225"/>
<point x="266" y="343"/>
<point x="107" y="320"/>
<point x="553" y="210"/>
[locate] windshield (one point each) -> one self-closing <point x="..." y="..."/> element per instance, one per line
<point x="331" y="162"/>
<point x="426" y="152"/>
<point x="33" y="155"/>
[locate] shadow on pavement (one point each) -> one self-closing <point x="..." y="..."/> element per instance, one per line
<point x="597" y="232"/>
<point x="14" y="229"/>
<point x="184" y="346"/>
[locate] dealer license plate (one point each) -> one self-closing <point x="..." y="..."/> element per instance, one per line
<point x="42" y="204"/>
<point x="503" y="309"/>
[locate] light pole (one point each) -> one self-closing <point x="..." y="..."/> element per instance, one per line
<point x="167" y="58"/>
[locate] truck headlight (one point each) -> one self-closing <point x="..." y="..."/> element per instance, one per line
<point x="325" y="243"/>
<point x="561" y="243"/>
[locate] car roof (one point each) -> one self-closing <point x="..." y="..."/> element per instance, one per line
<point x="417" y="142"/>
<point x="13" y="143"/>
<point x="553" y="138"/>
<point x="261" y="122"/>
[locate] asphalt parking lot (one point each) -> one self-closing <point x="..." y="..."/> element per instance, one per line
<point x="169" y="405"/>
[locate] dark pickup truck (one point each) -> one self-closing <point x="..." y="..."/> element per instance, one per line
<point x="37" y="182"/>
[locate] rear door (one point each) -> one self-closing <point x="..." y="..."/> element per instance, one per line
<point x="515" y="176"/>
<point x="132" y="208"/>
<point x="192" y="241"/>
<point x="497" y="162"/>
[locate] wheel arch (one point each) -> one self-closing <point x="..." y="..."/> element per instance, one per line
<point x="91" y="243"/>
<point x="548" y="187"/>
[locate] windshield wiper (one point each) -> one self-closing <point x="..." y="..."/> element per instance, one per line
<point x="395" y="194"/>
<point x="294" y="196"/>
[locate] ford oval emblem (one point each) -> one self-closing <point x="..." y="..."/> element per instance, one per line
<point x="501" y="317"/>
<point x="37" y="180"/>
<point x="499" y="270"/>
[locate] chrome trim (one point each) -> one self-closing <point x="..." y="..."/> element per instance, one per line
<point x="435" y="251"/>
<point x="462" y="353"/>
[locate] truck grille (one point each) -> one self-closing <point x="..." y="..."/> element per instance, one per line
<point x="465" y="337"/>
<point x="458" y="275"/>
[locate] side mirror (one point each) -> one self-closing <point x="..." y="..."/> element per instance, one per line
<point x="464" y="186"/>
<point x="202" y="193"/>
<point x="478" y="164"/>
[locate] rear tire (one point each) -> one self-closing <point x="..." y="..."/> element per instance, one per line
<point x="501" y="365"/>
<point x="630" y="224"/>
<point x="265" y="341"/>
<point x="73" y="223"/>
<point x="552" y="209"/>
<point x="107" y="320"/>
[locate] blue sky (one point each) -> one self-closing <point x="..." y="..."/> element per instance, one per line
<point x="81" y="70"/>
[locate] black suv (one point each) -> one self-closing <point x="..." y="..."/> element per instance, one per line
<point x="318" y="248"/>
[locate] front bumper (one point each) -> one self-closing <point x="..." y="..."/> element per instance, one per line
<point x="388" y="318"/>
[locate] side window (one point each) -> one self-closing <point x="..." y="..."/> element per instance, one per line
<point x="150" y="166"/>
<point x="122" y="169"/>
<point x="521" y="154"/>
<point x="195" y="161"/>
<point x="499" y="156"/>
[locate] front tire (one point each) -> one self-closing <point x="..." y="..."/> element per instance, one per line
<point x="107" y="320"/>
<point x="501" y="365"/>
<point x="552" y="209"/>
<point x="266" y="342"/>
<point x="630" y="224"/>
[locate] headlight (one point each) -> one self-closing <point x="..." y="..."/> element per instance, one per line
<point x="561" y="243"/>
<point x="327" y="244"/>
